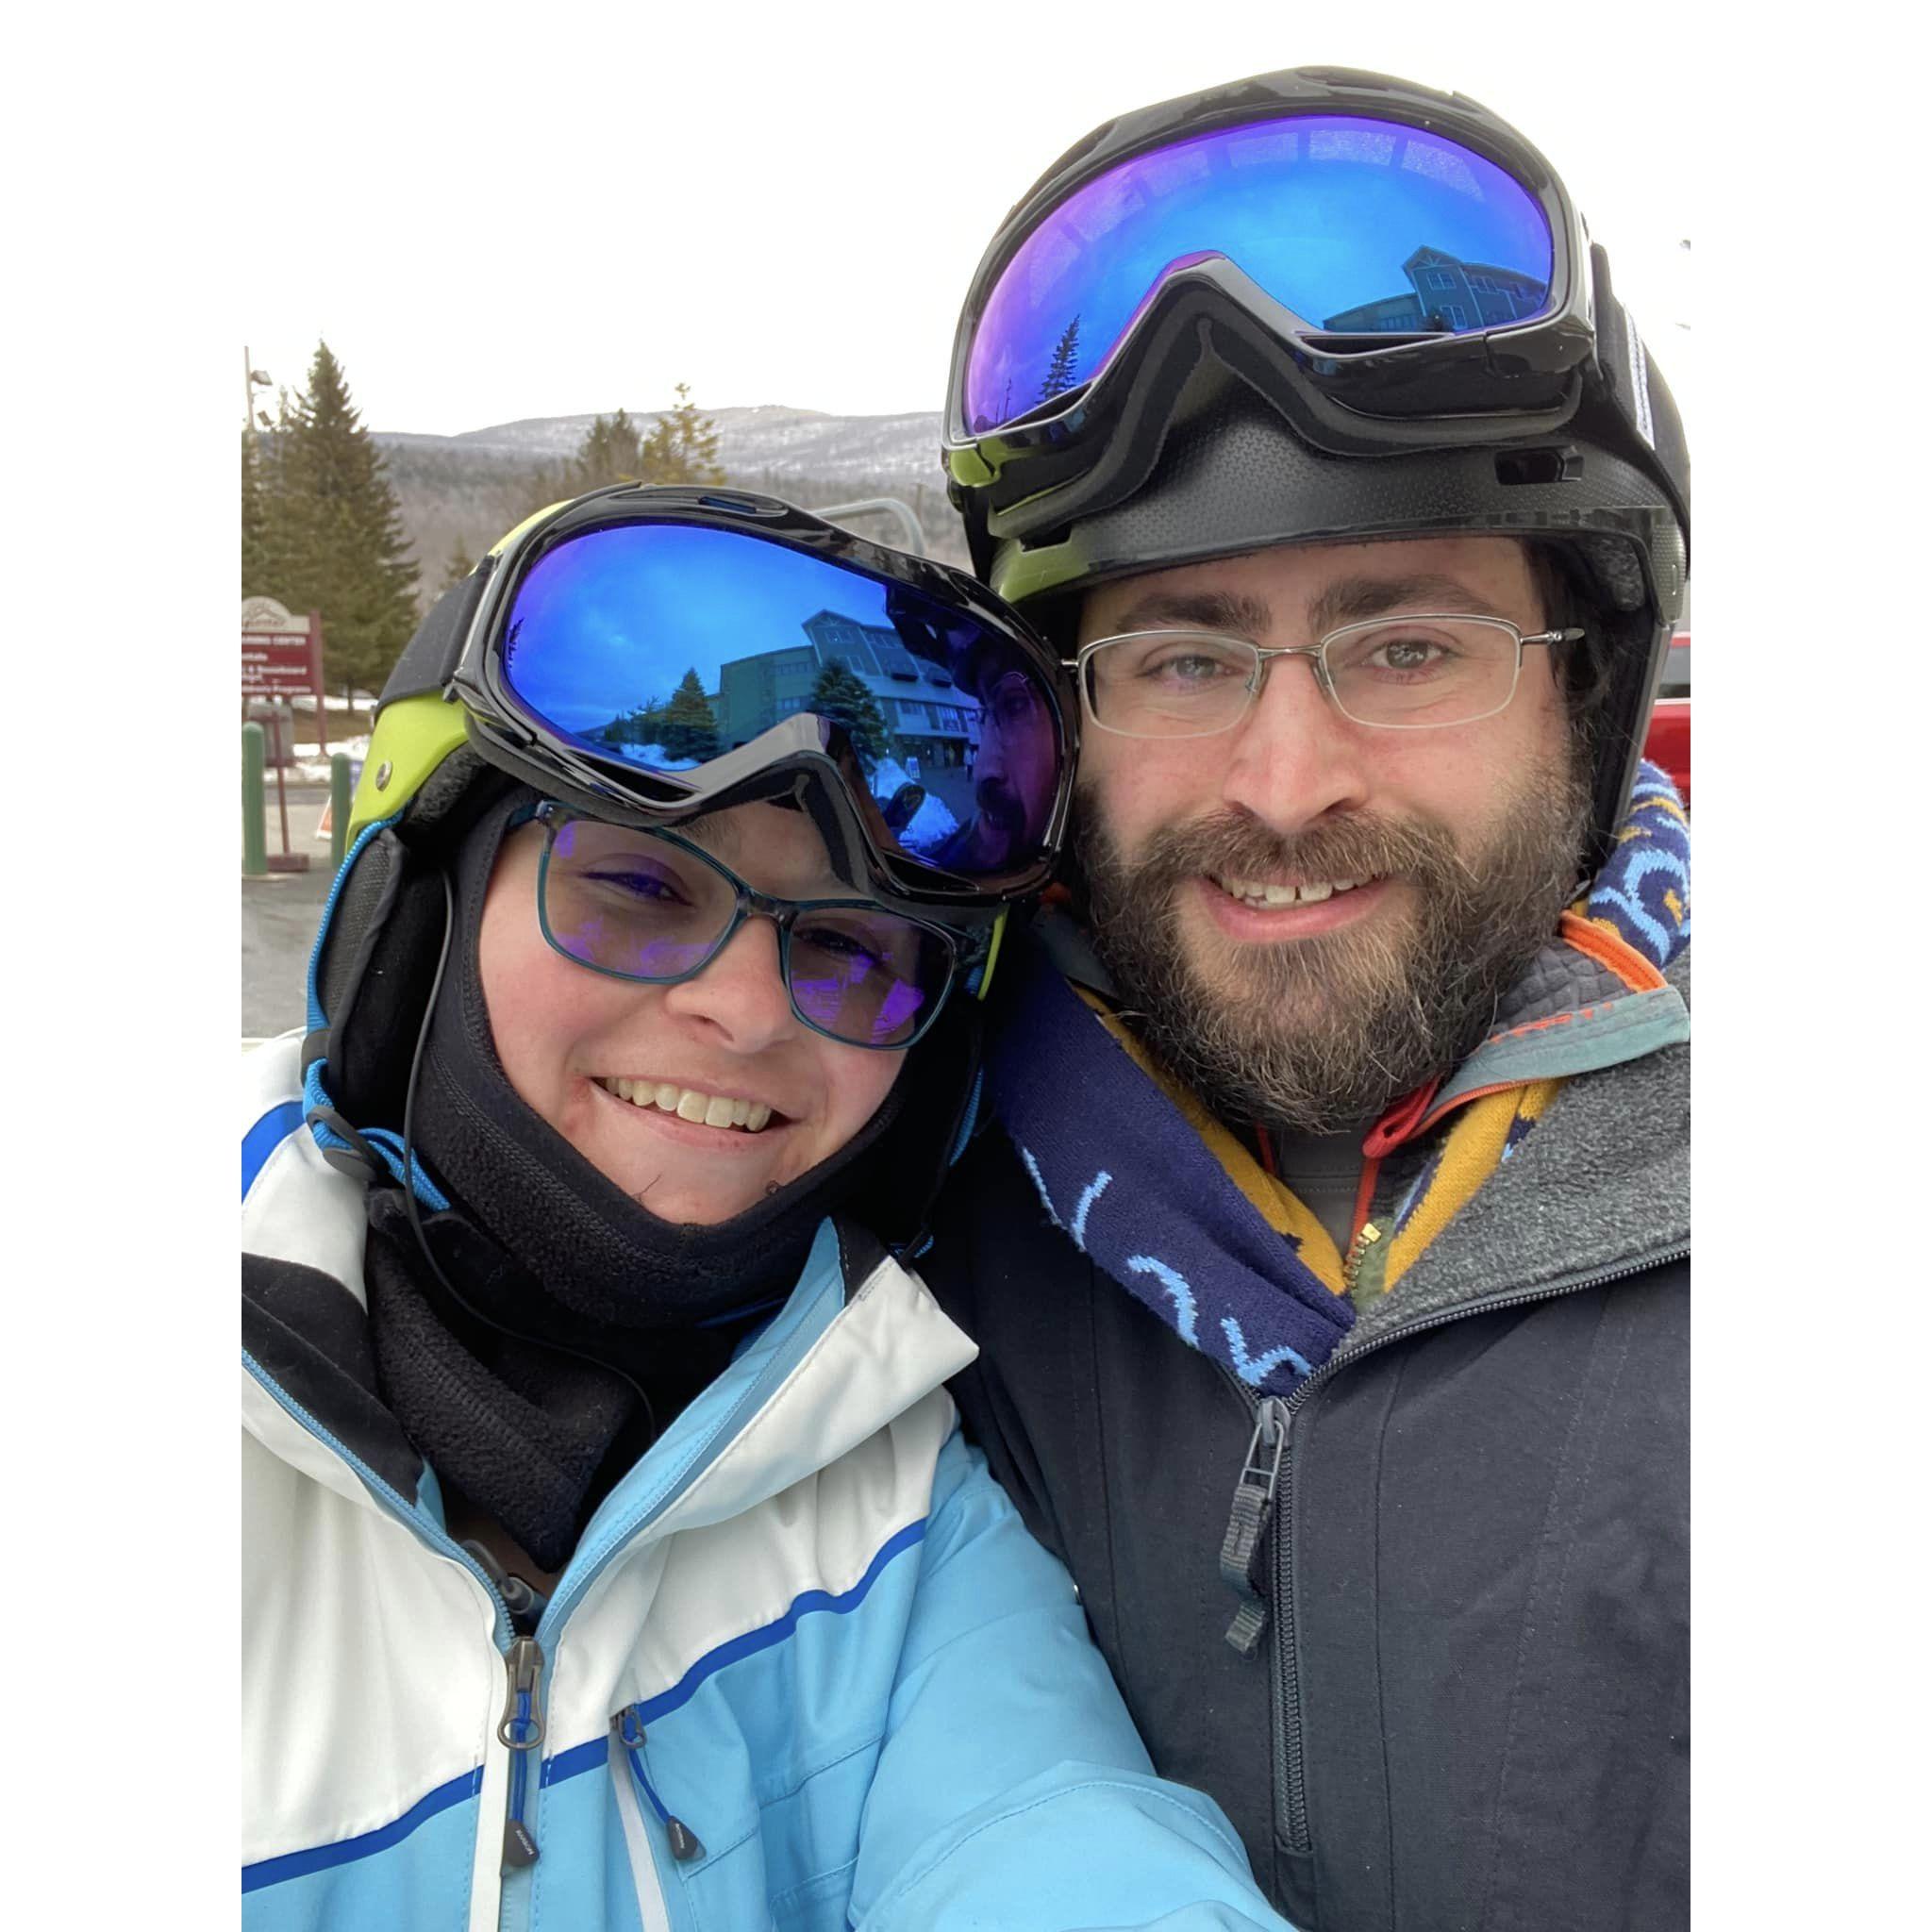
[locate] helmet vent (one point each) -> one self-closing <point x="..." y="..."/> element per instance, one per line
<point x="1538" y="466"/>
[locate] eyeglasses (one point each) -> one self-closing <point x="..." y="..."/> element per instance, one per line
<point x="650" y="907"/>
<point x="1013" y="704"/>
<point x="1418" y="672"/>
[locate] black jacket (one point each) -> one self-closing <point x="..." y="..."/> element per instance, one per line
<point x="1468" y="1703"/>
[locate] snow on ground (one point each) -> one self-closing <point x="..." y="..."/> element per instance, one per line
<point x="930" y="824"/>
<point x="310" y="768"/>
<point x="655" y="755"/>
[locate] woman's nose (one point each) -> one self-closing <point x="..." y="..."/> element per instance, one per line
<point x="741" y="992"/>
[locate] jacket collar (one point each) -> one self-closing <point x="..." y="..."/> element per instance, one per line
<point x="857" y="1342"/>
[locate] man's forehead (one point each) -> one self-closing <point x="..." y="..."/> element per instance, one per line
<point x="1320" y="586"/>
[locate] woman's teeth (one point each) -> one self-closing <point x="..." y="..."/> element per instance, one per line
<point x="1255" y="892"/>
<point x="687" y="1103"/>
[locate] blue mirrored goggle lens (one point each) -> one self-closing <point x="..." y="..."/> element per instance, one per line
<point x="663" y="645"/>
<point x="1358" y="226"/>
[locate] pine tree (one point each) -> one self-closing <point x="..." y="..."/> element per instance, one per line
<point x="838" y="694"/>
<point x="256" y="573"/>
<point x="459" y="565"/>
<point x="1060" y="372"/>
<point x="334" y="517"/>
<point x="276" y="527"/>
<point x="609" y="452"/>
<point x="644" y="726"/>
<point x="690" y="730"/>
<point x="683" y="448"/>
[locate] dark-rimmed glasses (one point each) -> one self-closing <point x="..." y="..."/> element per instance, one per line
<point x="1417" y="671"/>
<point x="653" y="907"/>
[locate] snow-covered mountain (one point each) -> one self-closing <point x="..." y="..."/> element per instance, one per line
<point x="469" y="489"/>
<point x="769" y="439"/>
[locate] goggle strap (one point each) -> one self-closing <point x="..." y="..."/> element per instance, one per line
<point x="430" y="658"/>
<point x="1647" y="406"/>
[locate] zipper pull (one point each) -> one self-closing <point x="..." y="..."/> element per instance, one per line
<point x="685" y="1844"/>
<point x="522" y="1730"/>
<point x="1247" y="1522"/>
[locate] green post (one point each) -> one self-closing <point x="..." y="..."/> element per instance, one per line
<point x="254" y="803"/>
<point x="337" y="809"/>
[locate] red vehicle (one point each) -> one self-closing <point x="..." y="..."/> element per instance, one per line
<point x="1668" y="743"/>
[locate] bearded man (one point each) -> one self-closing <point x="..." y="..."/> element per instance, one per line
<point x="1328" y="1248"/>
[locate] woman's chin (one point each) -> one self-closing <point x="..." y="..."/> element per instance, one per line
<point x="687" y="1199"/>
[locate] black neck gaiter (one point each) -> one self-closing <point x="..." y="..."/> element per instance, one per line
<point x="580" y="1322"/>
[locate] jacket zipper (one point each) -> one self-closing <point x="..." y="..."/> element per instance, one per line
<point x="523" y="1699"/>
<point x="521" y="1731"/>
<point x="1247" y="1522"/>
<point x="523" y="1659"/>
<point x="1244" y="1632"/>
<point x="1358" y="1249"/>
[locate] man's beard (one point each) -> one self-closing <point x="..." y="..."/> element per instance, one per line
<point x="1324" y="1033"/>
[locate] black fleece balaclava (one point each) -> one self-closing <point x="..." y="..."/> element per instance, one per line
<point x="571" y="1301"/>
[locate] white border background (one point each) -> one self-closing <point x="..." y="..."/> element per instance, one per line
<point x="129" y="144"/>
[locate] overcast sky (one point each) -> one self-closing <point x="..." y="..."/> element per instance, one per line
<point x="499" y="215"/>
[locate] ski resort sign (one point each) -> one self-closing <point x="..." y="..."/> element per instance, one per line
<point x="281" y="655"/>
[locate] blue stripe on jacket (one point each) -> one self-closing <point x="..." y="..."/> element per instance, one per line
<point x="365" y="1844"/>
<point x="264" y="1137"/>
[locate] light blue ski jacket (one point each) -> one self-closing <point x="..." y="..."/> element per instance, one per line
<point x="805" y="1668"/>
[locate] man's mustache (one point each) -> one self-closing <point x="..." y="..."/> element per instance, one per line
<point x="1000" y="805"/>
<point x="1363" y="845"/>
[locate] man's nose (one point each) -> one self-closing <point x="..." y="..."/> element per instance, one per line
<point x="1293" y="757"/>
<point x="740" y="997"/>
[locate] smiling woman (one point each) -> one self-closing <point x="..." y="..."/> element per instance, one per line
<point x="612" y="1550"/>
<point x="712" y="1089"/>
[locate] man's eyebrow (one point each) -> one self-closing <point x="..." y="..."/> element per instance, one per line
<point x="1348" y="600"/>
<point x="1217" y="610"/>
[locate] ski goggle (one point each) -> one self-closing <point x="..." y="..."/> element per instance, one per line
<point x="1354" y="234"/>
<point x="657" y="908"/>
<point x="675" y="651"/>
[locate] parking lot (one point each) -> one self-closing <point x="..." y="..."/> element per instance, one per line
<point x="279" y="915"/>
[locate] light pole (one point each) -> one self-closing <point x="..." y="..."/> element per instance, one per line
<point x="255" y="379"/>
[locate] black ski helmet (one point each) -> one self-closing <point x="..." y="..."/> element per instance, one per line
<point x="1220" y="420"/>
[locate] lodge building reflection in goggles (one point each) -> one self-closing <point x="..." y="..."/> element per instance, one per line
<point x="656" y="653"/>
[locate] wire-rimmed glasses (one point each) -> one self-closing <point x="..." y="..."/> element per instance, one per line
<point x="1416" y="671"/>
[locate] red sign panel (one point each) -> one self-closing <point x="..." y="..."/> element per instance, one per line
<point x="277" y="664"/>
